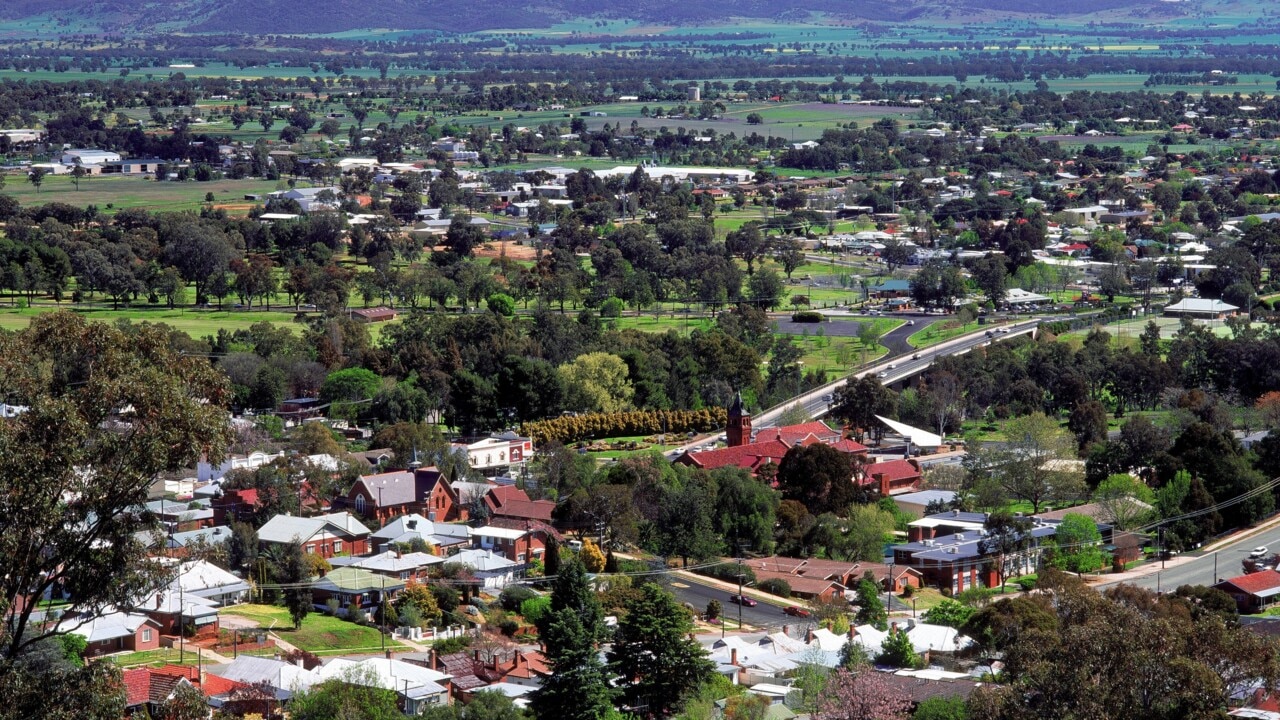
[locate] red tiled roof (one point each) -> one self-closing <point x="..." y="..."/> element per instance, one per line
<point x="1256" y="582"/>
<point x="892" y="470"/>
<point x="816" y="427"/>
<point x="850" y="446"/>
<point x="530" y="525"/>
<point x="526" y="509"/>
<point x="750" y="456"/>
<point x="499" y="495"/>
<point x="137" y="686"/>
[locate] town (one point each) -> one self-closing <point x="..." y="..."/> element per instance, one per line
<point x="360" y="391"/>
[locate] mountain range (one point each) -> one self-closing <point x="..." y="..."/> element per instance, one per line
<point x="258" y="17"/>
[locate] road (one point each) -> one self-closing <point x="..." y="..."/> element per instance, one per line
<point x="1198" y="569"/>
<point x="763" y="615"/>
<point x="891" y="370"/>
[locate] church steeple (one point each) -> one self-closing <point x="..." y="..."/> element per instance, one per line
<point x="738" y="431"/>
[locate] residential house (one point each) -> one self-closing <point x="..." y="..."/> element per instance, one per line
<point x="206" y="471"/>
<point x="148" y="688"/>
<point x="469" y="672"/>
<point x="285" y="678"/>
<point x="510" y="502"/>
<point x="423" y="491"/>
<point x="516" y="544"/>
<point x="917" y="503"/>
<point x="845" y="574"/>
<point x="1254" y="592"/>
<point x="418" y="687"/>
<point x="402" y="566"/>
<point x="893" y="477"/>
<point x="355" y="587"/>
<point x="114" y="631"/>
<point x="442" y="538"/>
<point x="325" y="535"/>
<point x="182" y="516"/>
<point x="493" y="570"/>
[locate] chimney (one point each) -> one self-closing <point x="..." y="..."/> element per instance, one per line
<point x="853" y="632"/>
<point x="475" y="655"/>
<point x="432" y="660"/>
<point x="388" y="654"/>
<point x="786" y="629"/>
<point x="299" y="663"/>
<point x="733" y="656"/>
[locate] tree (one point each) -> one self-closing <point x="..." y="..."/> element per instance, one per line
<point x="1088" y="422"/>
<point x="820" y="477"/>
<point x="78" y="173"/>
<point x="859" y="401"/>
<point x="598" y="381"/>
<point x="864" y="695"/>
<point x="791" y="256"/>
<point x="755" y="119"/>
<point x="36" y="177"/>
<point x="747" y="243"/>
<point x="654" y="654"/>
<point x="186" y="703"/>
<point x="294" y="571"/>
<point x="858" y="537"/>
<point x="1036" y="463"/>
<point x="951" y="613"/>
<point x="592" y="558"/>
<point x="577" y="689"/>
<point x="896" y="650"/>
<point x="895" y="254"/>
<point x="871" y="610"/>
<point x="502" y="304"/>
<point x="1006" y="542"/>
<point x="355" y="697"/>
<point x="79" y="535"/>
<point x="1079" y="544"/>
<point x="350" y="385"/>
<point x="991" y="274"/>
<point x="419" y="597"/>
<point x="462" y="237"/>
<point x="766" y="289"/>
<point x="1126" y="501"/>
<point x="484" y="705"/>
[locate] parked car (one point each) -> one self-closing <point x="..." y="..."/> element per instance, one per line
<point x="742" y="600"/>
<point x="1258" y="552"/>
<point x="796" y="611"/>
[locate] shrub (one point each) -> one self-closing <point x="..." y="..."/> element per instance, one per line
<point x="611" y="308"/>
<point x="534" y="609"/>
<point x="808" y="316"/>
<point x="513" y="597"/>
<point x="451" y="645"/>
<point x="508" y="627"/>
<point x="775" y="586"/>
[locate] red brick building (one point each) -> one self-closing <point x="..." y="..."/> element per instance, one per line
<point x="325" y="535"/>
<point x="512" y="503"/>
<point x="424" y="491"/>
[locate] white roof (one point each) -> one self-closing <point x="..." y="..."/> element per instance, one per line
<point x="392" y="562"/>
<point x="402" y="677"/>
<point x="923" y="438"/>
<point x="499" y="532"/>
<point x="284" y="528"/>
<point x="282" y="675"/>
<point x="108" y="626"/>
<point x="1200" y="305"/>
<point x="482" y="560"/>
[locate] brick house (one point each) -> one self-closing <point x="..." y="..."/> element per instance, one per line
<point x="893" y="477"/>
<point x="325" y="535"/>
<point x="1254" y="592"/>
<point x="959" y="560"/>
<point x="115" y="632"/>
<point x="807" y="573"/>
<point x="516" y="544"/>
<point x="424" y="491"/>
<point x="512" y="503"/>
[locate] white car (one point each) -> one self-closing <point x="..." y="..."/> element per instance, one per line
<point x="1259" y="551"/>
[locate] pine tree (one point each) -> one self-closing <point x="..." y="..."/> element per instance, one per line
<point x="577" y="689"/>
<point x="870" y="610"/>
<point x="653" y="652"/>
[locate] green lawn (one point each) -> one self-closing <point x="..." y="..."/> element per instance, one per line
<point x="673" y="441"/>
<point x="196" y="323"/>
<point x="321" y="634"/>
<point x="938" y="332"/>
<point x="159" y="656"/>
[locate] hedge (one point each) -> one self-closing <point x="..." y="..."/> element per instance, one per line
<point x="775" y="586"/>
<point x="808" y="316"/>
<point x="728" y="572"/>
<point x="590" y="426"/>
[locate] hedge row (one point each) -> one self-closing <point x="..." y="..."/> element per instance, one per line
<point x="808" y="316"/>
<point x="590" y="426"/>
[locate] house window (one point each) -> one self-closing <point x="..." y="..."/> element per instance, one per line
<point x="146" y="635"/>
<point x="337" y="546"/>
<point x="520" y="557"/>
<point x="311" y="549"/>
<point x="360" y="504"/>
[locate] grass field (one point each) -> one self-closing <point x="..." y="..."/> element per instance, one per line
<point x="159" y="656"/>
<point x="114" y="192"/>
<point x="320" y="634"/>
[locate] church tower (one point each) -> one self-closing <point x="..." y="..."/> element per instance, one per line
<point x="739" y="429"/>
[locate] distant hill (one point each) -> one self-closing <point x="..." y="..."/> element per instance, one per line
<point x="327" y="16"/>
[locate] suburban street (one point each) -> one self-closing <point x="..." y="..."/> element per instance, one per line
<point x="1198" y="569"/>
<point x="763" y="615"/>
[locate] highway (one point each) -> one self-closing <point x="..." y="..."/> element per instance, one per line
<point x="893" y="368"/>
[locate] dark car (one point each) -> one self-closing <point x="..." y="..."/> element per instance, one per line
<point x="742" y="600"/>
<point x="796" y="611"/>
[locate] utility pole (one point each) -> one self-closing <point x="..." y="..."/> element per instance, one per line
<point x="740" y="598"/>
